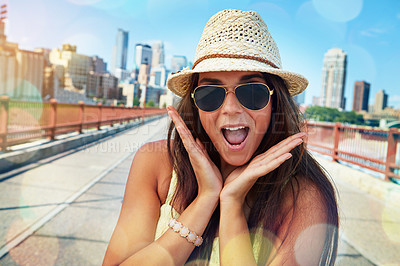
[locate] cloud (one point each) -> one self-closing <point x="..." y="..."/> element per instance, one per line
<point x="373" y="32"/>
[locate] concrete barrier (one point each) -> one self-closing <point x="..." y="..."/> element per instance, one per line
<point x="383" y="190"/>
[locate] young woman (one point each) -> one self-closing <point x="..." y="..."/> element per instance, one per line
<point x="233" y="184"/>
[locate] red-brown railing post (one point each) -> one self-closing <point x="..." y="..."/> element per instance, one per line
<point x="391" y="153"/>
<point x="81" y="115"/>
<point x="99" y="113"/>
<point x="112" y="115"/>
<point x="122" y="112"/>
<point x="4" y="103"/>
<point x="336" y="136"/>
<point x="53" y="118"/>
<point x="143" y="109"/>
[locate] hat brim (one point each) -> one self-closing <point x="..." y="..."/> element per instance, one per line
<point x="179" y="82"/>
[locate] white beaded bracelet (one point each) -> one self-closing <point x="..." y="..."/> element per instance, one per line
<point x="183" y="231"/>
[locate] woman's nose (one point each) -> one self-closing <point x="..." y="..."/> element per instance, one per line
<point x="231" y="104"/>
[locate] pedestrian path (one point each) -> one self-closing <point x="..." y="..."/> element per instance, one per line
<point x="31" y="199"/>
<point x="370" y="224"/>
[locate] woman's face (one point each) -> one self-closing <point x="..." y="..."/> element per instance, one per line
<point x="235" y="131"/>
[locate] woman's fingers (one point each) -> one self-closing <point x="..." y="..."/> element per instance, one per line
<point x="271" y="165"/>
<point x="183" y="131"/>
<point x="286" y="145"/>
<point x="208" y="176"/>
<point x="274" y="157"/>
<point x="294" y="137"/>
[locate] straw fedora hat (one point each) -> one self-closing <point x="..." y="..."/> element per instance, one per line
<point x="235" y="40"/>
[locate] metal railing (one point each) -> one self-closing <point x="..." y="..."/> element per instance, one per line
<point x="23" y="121"/>
<point x="374" y="149"/>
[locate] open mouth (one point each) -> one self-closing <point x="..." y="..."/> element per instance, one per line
<point x="235" y="136"/>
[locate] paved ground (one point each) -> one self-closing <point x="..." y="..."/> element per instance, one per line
<point x="370" y="223"/>
<point x="71" y="203"/>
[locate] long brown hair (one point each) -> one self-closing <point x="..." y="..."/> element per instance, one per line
<point x="270" y="189"/>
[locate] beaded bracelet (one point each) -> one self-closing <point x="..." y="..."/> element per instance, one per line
<point x="183" y="231"/>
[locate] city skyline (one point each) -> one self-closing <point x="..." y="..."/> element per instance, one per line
<point x="304" y="31"/>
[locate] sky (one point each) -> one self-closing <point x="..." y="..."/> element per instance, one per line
<point x="367" y="30"/>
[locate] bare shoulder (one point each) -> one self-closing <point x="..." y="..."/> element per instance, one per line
<point x="153" y="160"/>
<point x="156" y="150"/>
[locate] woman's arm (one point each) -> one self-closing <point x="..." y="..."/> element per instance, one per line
<point x="235" y="245"/>
<point x="133" y="239"/>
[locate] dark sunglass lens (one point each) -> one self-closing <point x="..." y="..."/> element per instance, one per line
<point x="209" y="98"/>
<point x="253" y="96"/>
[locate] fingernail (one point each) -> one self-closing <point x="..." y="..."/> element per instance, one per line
<point x="299" y="141"/>
<point x="288" y="156"/>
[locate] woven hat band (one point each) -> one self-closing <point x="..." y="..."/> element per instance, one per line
<point x="234" y="56"/>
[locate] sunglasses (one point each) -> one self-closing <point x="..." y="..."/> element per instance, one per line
<point x="252" y="96"/>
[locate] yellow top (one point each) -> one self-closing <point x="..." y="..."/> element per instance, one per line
<point x="165" y="216"/>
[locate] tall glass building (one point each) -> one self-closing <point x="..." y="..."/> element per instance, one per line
<point x="120" y="51"/>
<point x="333" y="79"/>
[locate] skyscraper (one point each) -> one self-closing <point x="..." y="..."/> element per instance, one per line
<point x="333" y="79"/>
<point x="361" y="96"/>
<point x="143" y="60"/>
<point x="120" y="51"/>
<point x="158" y="54"/>
<point x="143" y="55"/>
<point x="178" y="62"/>
<point x="380" y="101"/>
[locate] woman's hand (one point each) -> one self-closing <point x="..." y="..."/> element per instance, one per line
<point x="240" y="181"/>
<point x="208" y="176"/>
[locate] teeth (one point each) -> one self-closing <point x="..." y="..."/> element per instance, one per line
<point x="233" y="128"/>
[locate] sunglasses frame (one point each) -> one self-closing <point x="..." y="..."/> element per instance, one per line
<point x="271" y="91"/>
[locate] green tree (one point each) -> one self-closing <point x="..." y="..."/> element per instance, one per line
<point x="136" y="101"/>
<point x="351" y="118"/>
<point x="150" y="104"/>
<point x="319" y="113"/>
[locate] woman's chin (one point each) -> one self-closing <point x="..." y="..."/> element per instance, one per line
<point x="235" y="159"/>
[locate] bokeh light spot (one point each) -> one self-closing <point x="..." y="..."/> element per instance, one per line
<point x="309" y="244"/>
<point x="391" y="223"/>
<point x="263" y="245"/>
<point x="366" y="67"/>
<point x="338" y="10"/>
